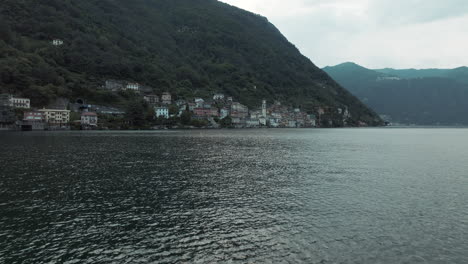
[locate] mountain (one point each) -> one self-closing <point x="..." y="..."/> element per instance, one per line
<point x="353" y="75"/>
<point x="188" y="47"/>
<point x="425" y="97"/>
<point x="458" y="74"/>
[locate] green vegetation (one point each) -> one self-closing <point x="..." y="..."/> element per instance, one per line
<point x="458" y="74"/>
<point x="188" y="47"/>
<point x="428" y="100"/>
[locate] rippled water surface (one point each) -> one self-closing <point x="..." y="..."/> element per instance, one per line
<point x="240" y="196"/>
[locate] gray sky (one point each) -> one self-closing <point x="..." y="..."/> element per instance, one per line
<point x="373" y="33"/>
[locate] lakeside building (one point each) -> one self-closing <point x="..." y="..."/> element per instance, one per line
<point x="239" y="110"/>
<point x="206" y="112"/>
<point x="33" y="120"/>
<point x="89" y="119"/>
<point x="56" y="116"/>
<point x="162" y="111"/>
<point x="252" y="123"/>
<point x="34" y="116"/>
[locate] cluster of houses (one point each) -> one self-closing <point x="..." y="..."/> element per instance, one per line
<point x="212" y="110"/>
<point x="220" y="106"/>
<point x="39" y="119"/>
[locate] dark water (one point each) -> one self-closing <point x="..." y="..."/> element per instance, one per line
<point x="246" y="196"/>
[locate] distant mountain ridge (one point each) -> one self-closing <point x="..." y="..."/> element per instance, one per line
<point x="421" y="97"/>
<point x="459" y="74"/>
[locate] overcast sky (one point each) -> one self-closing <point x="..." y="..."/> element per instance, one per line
<point x="373" y="33"/>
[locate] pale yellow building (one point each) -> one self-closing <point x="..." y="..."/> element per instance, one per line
<point x="56" y="116"/>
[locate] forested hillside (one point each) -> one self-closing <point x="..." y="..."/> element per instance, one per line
<point x="458" y="74"/>
<point x="426" y="99"/>
<point x="188" y="47"/>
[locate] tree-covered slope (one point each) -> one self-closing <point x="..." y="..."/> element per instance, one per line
<point x="458" y="74"/>
<point x="353" y="75"/>
<point x="189" y="47"/>
<point x="428" y="100"/>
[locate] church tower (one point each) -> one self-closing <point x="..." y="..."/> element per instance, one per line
<point x="264" y="108"/>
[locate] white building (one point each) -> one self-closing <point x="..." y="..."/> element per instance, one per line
<point x="20" y="102"/>
<point x="162" y="112"/>
<point x="89" y="119"/>
<point x="166" y="98"/>
<point x="218" y="96"/>
<point x="56" y="116"/>
<point x="57" y="42"/>
<point x="9" y="100"/>
<point x="224" y="112"/>
<point x="133" y="86"/>
<point x="199" y="102"/>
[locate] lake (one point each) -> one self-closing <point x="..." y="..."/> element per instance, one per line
<point x="235" y="196"/>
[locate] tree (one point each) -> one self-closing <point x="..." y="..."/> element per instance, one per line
<point x="226" y="122"/>
<point x="135" y="113"/>
<point x="186" y="118"/>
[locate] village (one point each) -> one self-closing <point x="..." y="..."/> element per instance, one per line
<point x="218" y="111"/>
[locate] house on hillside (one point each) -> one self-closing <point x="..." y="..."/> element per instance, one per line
<point x="199" y="102"/>
<point x="218" y="97"/>
<point x="206" y="112"/>
<point x="239" y="110"/>
<point x="15" y="102"/>
<point x="114" y="85"/>
<point x="152" y="99"/>
<point x="166" y="98"/>
<point x="180" y="102"/>
<point x="57" y="42"/>
<point x="133" y="87"/>
<point x="24" y="103"/>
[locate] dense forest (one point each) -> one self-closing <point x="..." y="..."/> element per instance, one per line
<point x="421" y="97"/>
<point x="188" y="47"/>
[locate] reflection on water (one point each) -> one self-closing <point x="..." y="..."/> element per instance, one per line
<point x="240" y="196"/>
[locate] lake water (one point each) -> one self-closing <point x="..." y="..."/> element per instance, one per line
<point x="235" y="196"/>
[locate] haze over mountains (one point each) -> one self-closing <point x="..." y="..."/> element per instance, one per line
<point x="187" y="47"/>
<point x="410" y="96"/>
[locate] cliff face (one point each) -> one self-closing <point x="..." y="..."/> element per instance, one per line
<point x="189" y="47"/>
